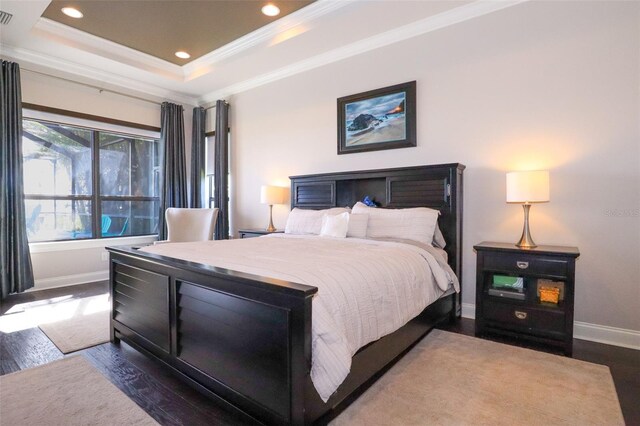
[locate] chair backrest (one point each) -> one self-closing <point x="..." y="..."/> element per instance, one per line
<point x="190" y="224"/>
<point x="106" y="224"/>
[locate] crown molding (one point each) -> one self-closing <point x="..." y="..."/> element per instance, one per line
<point x="91" y="44"/>
<point x="300" y="17"/>
<point x="432" y="23"/>
<point x="46" y="62"/>
<point x="141" y="62"/>
<point x="49" y="29"/>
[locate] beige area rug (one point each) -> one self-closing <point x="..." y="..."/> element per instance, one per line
<point x="452" y="379"/>
<point x="80" y="323"/>
<point x="69" y="391"/>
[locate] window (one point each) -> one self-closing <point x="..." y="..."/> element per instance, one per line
<point x="210" y="168"/>
<point x="86" y="183"/>
<point x="212" y="198"/>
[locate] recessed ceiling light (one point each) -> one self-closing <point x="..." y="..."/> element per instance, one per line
<point x="72" y="12"/>
<point x="270" y="9"/>
<point x="182" y="55"/>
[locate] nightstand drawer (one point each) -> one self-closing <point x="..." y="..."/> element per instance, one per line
<point x="249" y="234"/>
<point x="525" y="317"/>
<point x="252" y="233"/>
<point x="526" y="264"/>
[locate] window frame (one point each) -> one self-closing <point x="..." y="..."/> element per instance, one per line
<point x="96" y="176"/>
<point x="210" y="167"/>
<point x="211" y="196"/>
<point x="95" y="198"/>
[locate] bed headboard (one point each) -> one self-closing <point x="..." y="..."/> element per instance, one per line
<point x="436" y="186"/>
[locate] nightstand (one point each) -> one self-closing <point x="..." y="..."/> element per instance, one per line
<point x="509" y="301"/>
<point x="251" y="233"/>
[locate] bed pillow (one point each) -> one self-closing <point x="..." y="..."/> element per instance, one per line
<point x="438" y="238"/>
<point x="418" y="223"/>
<point x="309" y="222"/>
<point x="358" y="225"/>
<point x="335" y="225"/>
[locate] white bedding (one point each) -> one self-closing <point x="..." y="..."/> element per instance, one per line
<point x="366" y="288"/>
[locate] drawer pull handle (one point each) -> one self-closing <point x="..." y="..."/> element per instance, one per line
<point x="522" y="265"/>
<point x="520" y="315"/>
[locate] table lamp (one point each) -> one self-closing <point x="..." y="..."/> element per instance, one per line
<point x="271" y="195"/>
<point x="526" y="188"/>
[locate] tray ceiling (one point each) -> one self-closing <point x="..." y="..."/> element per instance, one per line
<point x="318" y="33"/>
<point x="161" y="28"/>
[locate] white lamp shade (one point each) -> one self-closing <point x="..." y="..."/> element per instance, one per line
<point x="528" y="187"/>
<point x="272" y="195"/>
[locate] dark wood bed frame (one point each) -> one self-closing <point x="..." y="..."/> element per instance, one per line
<point x="246" y="339"/>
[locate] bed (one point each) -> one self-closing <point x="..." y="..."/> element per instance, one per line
<point x="245" y="338"/>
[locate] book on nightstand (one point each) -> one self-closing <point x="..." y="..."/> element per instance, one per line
<point x="507" y="286"/>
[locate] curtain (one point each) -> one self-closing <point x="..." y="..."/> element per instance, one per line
<point x="221" y="177"/>
<point x="16" y="273"/>
<point x="198" y="159"/>
<point x="174" y="172"/>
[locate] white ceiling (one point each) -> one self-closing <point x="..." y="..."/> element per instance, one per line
<point x="321" y="33"/>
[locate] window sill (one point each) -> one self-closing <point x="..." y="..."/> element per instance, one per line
<point x="85" y="244"/>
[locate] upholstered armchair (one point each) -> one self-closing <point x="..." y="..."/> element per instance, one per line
<point x="189" y="224"/>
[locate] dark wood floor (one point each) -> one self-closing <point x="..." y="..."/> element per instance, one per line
<point x="167" y="399"/>
<point x="173" y="402"/>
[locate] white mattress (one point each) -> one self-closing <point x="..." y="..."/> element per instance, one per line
<point x="366" y="288"/>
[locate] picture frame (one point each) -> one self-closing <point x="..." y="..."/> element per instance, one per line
<point x="378" y="119"/>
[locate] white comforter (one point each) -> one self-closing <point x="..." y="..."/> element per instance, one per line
<point x="366" y="288"/>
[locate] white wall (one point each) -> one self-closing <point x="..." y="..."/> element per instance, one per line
<point x="64" y="263"/>
<point x="542" y="85"/>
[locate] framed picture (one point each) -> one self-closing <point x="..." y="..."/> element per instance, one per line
<point x="378" y="119"/>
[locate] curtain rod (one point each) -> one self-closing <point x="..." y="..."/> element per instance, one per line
<point x="92" y="86"/>
<point x="211" y="107"/>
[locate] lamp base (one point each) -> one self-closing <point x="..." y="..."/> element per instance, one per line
<point x="271" y="228"/>
<point x="526" y="242"/>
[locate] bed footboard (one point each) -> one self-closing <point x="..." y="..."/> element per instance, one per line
<point x="243" y="337"/>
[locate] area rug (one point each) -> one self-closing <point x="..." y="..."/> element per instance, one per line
<point x="79" y="324"/>
<point x="452" y="379"/>
<point x="69" y="391"/>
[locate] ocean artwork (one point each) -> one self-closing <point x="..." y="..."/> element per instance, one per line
<point x="376" y="120"/>
<point x="379" y="119"/>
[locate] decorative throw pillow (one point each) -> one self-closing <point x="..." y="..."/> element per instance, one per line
<point x="335" y="225"/>
<point x="309" y="222"/>
<point x="358" y="225"/>
<point x="418" y="223"/>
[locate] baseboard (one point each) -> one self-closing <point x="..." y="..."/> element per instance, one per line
<point x="606" y="334"/>
<point x="581" y="330"/>
<point x="67" y="280"/>
<point x="469" y="310"/>
<point x="586" y="331"/>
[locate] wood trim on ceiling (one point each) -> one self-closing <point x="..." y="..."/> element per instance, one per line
<point x="91" y="117"/>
